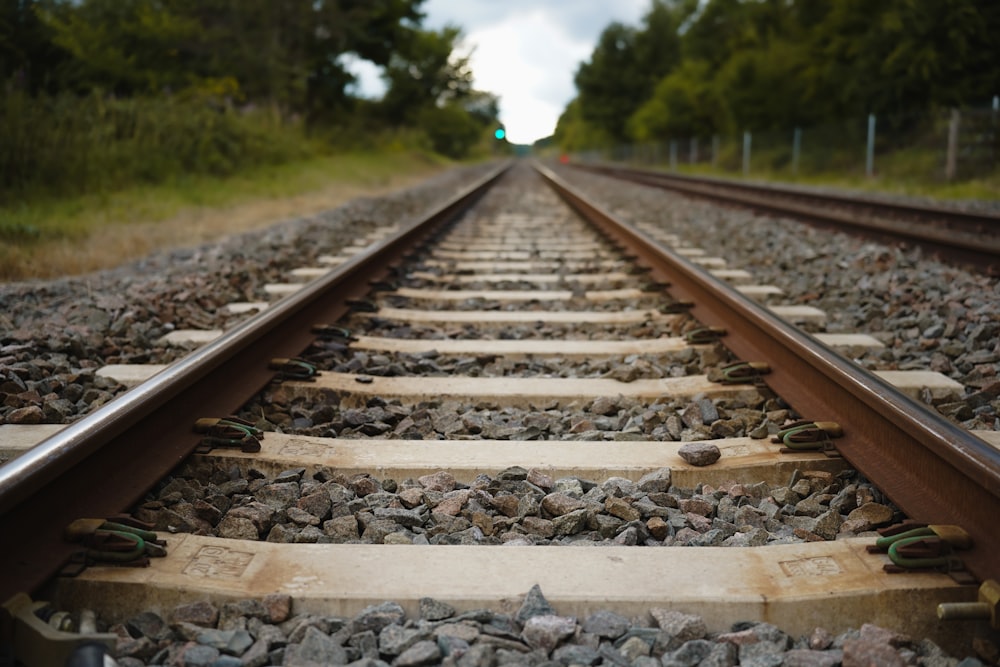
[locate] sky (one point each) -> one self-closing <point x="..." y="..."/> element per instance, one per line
<point x="525" y="51"/>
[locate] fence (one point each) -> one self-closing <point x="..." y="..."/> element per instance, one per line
<point x="946" y="146"/>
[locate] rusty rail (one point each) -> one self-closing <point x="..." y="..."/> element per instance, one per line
<point x="933" y="470"/>
<point x="109" y="459"/>
<point x="965" y="236"/>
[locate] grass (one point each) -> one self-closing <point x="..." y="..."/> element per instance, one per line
<point x="888" y="182"/>
<point x="912" y="171"/>
<point x="49" y="236"/>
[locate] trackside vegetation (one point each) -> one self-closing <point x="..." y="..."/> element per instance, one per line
<point x="805" y="79"/>
<point x="99" y="98"/>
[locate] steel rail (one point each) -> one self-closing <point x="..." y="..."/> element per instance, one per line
<point x="933" y="470"/>
<point x="980" y="247"/>
<point x="100" y="465"/>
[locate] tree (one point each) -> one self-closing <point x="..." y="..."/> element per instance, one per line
<point x="905" y="56"/>
<point x="29" y="59"/>
<point x="658" y="41"/>
<point x="424" y="73"/>
<point x="124" y="46"/>
<point x="573" y="132"/>
<point x="452" y="130"/>
<point x="611" y="85"/>
<point x="684" y="104"/>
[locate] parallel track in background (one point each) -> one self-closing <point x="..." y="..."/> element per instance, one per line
<point x="935" y="472"/>
<point x="971" y="237"/>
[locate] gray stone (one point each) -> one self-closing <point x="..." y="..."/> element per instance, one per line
<point x="279" y="496"/>
<point x="634" y="648"/>
<point x="237" y="528"/>
<point x="683" y="627"/>
<point x="218" y="639"/>
<point x="699" y="453"/>
<point x="302" y="517"/>
<point x="342" y="528"/>
<point x="534" y="604"/>
<point x="277" y="607"/>
<point x="570" y="486"/>
<point x="570" y="524"/>
<point x="228" y="661"/>
<point x="812" y="658"/>
<point x="722" y="654"/>
<point x="422" y="653"/>
<point x="657" y="481"/>
<point x="394" y="639"/>
<point x="690" y="654"/>
<point x="558" y="504"/>
<point x="441" y="481"/>
<point x="606" y="624"/>
<point x="366" y="643"/>
<point x="575" y="654"/>
<point x="283" y="534"/>
<point x="828" y="524"/>
<point x="204" y="614"/>
<point x="197" y="655"/>
<point x="534" y="525"/>
<point x="545" y="631"/>
<point x="316" y="648"/>
<point x="870" y="515"/>
<point x="376" y="617"/>
<point x="864" y="653"/>
<point x="403" y="517"/>
<point x="435" y="610"/>
<point x="149" y="624"/>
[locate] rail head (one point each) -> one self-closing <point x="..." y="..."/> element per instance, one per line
<point x="933" y="470"/>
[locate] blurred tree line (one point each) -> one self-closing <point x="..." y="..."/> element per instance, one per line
<point x="718" y="66"/>
<point x="99" y="93"/>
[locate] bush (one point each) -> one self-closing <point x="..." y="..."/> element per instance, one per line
<point x="68" y="145"/>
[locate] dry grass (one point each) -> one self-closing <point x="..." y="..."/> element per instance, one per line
<point x="112" y="234"/>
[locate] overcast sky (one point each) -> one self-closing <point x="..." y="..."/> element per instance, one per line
<point x="525" y="51"/>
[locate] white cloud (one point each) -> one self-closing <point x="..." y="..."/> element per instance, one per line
<point x="525" y="51"/>
<point x="516" y="58"/>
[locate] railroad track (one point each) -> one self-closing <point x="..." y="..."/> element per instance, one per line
<point x="971" y="237"/>
<point x="528" y="351"/>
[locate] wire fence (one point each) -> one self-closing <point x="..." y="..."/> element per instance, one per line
<point x="946" y="146"/>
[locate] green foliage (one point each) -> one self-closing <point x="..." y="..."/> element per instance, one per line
<point x="424" y="74"/>
<point x="451" y="129"/>
<point x="732" y="65"/>
<point x="75" y="145"/>
<point x="102" y="94"/>
<point x="574" y="133"/>
<point x="612" y="82"/>
<point x="126" y="46"/>
<point x="684" y="104"/>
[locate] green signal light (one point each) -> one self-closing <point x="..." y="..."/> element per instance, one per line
<point x="500" y="133"/>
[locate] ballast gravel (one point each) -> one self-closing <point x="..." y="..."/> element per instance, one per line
<point x="929" y="315"/>
<point x="516" y="507"/>
<point x="55" y="334"/>
<point x="269" y="631"/>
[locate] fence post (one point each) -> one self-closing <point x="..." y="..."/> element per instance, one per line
<point x="673" y="155"/>
<point x="870" y="151"/>
<point x="715" y="150"/>
<point x="796" y="148"/>
<point x="746" y="154"/>
<point x="693" y="154"/>
<point x="951" y="159"/>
